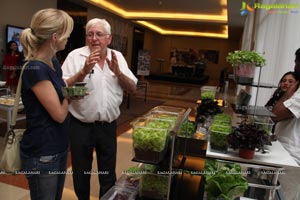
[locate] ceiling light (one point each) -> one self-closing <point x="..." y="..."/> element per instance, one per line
<point x="223" y="35"/>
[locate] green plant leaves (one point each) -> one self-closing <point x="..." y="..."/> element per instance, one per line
<point x="242" y="56"/>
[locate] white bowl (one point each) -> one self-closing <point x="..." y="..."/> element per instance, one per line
<point x="2" y="83"/>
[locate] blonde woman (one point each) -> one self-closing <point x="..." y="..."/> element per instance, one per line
<point x="45" y="141"/>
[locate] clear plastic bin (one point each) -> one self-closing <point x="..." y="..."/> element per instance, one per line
<point x="162" y="115"/>
<point x="130" y="182"/>
<point x="153" y="123"/>
<point x="264" y="123"/>
<point x="154" y="186"/>
<point x="131" y="177"/>
<point x="151" y="138"/>
<point x="188" y="128"/>
<point x="208" y="92"/>
<point x="74" y="91"/>
<point x="222" y="119"/>
<point x="218" y="137"/>
<point x="168" y="109"/>
<point x="117" y="192"/>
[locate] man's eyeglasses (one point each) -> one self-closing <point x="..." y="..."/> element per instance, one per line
<point x="97" y="35"/>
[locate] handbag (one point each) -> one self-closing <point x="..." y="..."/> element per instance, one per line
<point x="11" y="160"/>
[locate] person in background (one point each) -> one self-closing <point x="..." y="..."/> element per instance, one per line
<point x="11" y="64"/>
<point x="223" y="78"/>
<point x="287" y="115"/>
<point x="45" y="141"/>
<point x="173" y="59"/>
<point x="173" y="62"/>
<point x="286" y="81"/>
<point x="93" y="119"/>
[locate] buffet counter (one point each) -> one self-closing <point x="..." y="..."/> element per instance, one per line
<point x="263" y="170"/>
<point x="275" y="156"/>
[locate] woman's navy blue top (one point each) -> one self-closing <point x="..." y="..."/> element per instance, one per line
<point x="43" y="135"/>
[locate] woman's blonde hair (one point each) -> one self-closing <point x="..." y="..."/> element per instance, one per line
<point x="43" y="24"/>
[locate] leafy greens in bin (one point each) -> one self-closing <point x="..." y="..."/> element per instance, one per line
<point x="218" y="136"/>
<point x="133" y="171"/>
<point x="188" y="128"/>
<point x="224" y="182"/>
<point x="163" y="124"/>
<point x="153" y="185"/>
<point x="74" y="91"/>
<point x="150" y="139"/>
<point x="156" y="185"/>
<point x="151" y="134"/>
<point x="222" y="118"/>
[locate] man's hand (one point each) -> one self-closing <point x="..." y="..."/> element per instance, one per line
<point x="280" y="111"/>
<point x="91" y="61"/>
<point x="125" y="82"/>
<point x="113" y="64"/>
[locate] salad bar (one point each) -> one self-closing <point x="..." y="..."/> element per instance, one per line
<point x="201" y="159"/>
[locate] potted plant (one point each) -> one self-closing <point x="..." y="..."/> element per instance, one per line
<point x="248" y="138"/>
<point x="244" y="63"/>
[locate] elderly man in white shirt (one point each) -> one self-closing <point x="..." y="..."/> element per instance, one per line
<point x="93" y="118"/>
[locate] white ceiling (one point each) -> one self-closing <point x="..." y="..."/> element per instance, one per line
<point x="209" y="7"/>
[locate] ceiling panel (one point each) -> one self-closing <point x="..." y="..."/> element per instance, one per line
<point x="230" y="22"/>
<point x="183" y="6"/>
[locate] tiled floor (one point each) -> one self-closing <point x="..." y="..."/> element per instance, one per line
<point x="183" y="95"/>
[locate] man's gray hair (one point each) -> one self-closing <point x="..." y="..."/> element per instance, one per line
<point x="102" y="22"/>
